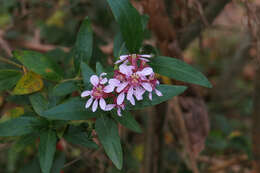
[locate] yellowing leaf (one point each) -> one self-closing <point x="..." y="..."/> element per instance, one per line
<point x="234" y="134"/>
<point x="1" y="100"/>
<point x="29" y="83"/>
<point x="57" y="19"/>
<point x="166" y="80"/>
<point x="139" y="152"/>
<point x="12" y="113"/>
<point x="16" y="112"/>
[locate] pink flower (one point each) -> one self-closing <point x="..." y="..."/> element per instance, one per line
<point x="154" y="82"/>
<point x="132" y="58"/>
<point x="97" y="94"/>
<point x="134" y="83"/>
<point x="115" y="105"/>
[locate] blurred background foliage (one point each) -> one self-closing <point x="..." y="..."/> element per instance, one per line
<point x="51" y="27"/>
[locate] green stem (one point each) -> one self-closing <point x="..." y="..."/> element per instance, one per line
<point x="10" y="62"/>
<point x="72" y="79"/>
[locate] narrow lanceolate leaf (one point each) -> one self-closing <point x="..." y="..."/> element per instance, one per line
<point x="39" y="103"/>
<point x="76" y="136"/>
<point x="168" y="91"/>
<point x="74" y="109"/>
<point x="107" y="132"/>
<point x="119" y="46"/>
<point x="130" y="23"/>
<point x="40" y="64"/>
<point x="99" y="68"/>
<point x="58" y="163"/>
<point x="87" y="72"/>
<point x="179" y="70"/>
<point x="65" y="88"/>
<point x="25" y="141"/>
<point x="83" y="47"/>
<point x="29" y="83"/>
<point x="18" y="126"/>
<point x="127" y="120"/>
<point x="47" y="148"/>
<point x="9" y="78"/>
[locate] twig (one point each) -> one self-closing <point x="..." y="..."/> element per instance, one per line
<point x="37" y="46"/>
<point x="5" y="45"/>
<point x="10" y="62"/>
<point x="148" y="153"/>
<point x="228" y="163"/>
<point x="72" y="79"/>
<point x="179" y="117"/>
<point x="195" y="28"/>
<point x="72" y="162"/>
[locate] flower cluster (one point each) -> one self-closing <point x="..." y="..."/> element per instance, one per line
<point x="133" y="78"/>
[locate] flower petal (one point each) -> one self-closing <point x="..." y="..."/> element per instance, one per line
<point x="94" y="80"/>
<point x="102" y="104"/>
<point x="146" y="60"/>
<point x="139" y="93"/>
<point x="150" y="96"/>
<point x="118" y="61"/>
<point x="103" y="81"/>
<point x="146" y="71"/>
<point x="114" y="82"/>
<point x="109" y="107"/>
<point x="123" y="57"/>
<point x="102" y="74"/>
<point x="147" y="86"/>
<point x="132" y="100"/>
<point x="130" y="93"/>
<point x="95" y="105"/>
<point x="89" y="102"/>
<point x="119" y="112"/>
<point x="85" y="93"/>
<point x="109" y="88"/>
<point x="146" y="56"/>
<point x="125" y="69"/>
<point x="121" y="86"/>
<point x="157" y="92"/>
<point x="120" y="98"/>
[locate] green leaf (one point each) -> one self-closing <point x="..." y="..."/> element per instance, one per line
<point x="24" y="141"/>
<point x="58" y="163"/>
<point x="119" y="46"/>
<point x="39" y="103"/>
<point x="179" y="70"/>
<point x="83" y="48"/>
<point x="9" y="78"/>
<point x="65" y="88"/>
<point x="18" y="126"/>
<point x="47" y="148"/>
<point x="168" y="91"/>
<point x="39" y="64"/>
<point x="99" y="68"/>
<point x="76" y="136"/>
<point x="130" y="23"/>
<point x="74" y="109"/>
<point x="145" y="20"/>
<point x="33" y="166"/>
<point x="87" y="72"/>
<point x="127" y="120"/>
<point x="107" y="132"/>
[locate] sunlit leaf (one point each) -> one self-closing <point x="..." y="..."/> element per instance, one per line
<point x="29" y="83"/>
